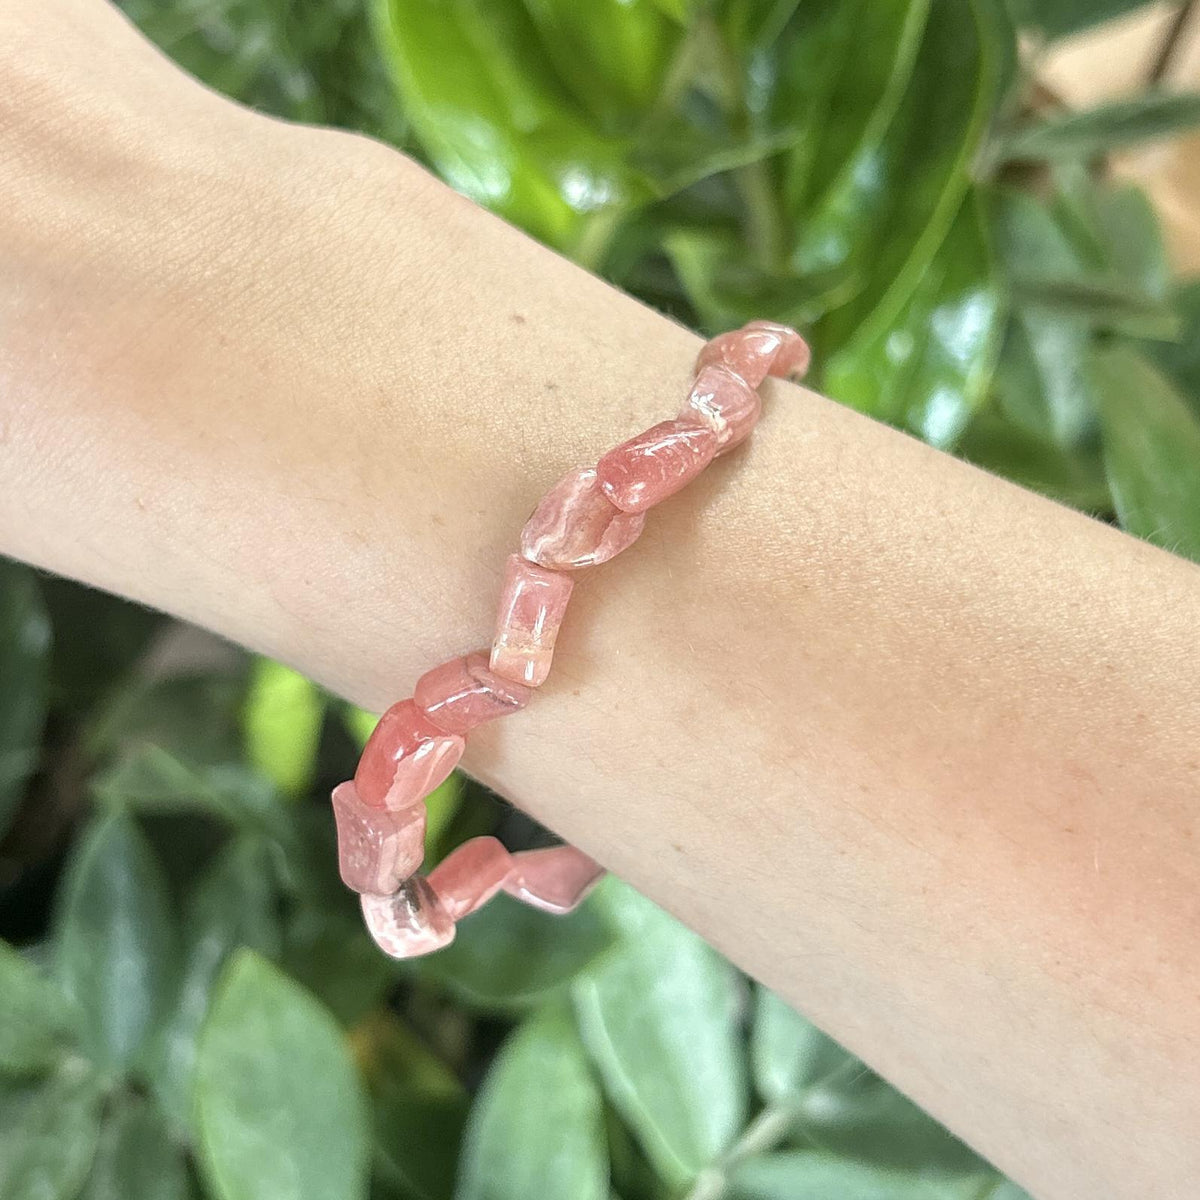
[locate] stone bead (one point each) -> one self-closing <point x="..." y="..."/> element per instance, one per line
<point x="747" y="352"/>
<point x="757" y="350"/>
<point x="555" y="879"/>
<point x="409" y="922"/>
<point x="405" y="758"/>
<point x="576" y="525"/>
<point x="470" y="875"/>
<point x="648" y="468"/>
<point x="726" y="403"/>
<point x="377" y="849"/>
<point x="533" y="601"/>
<point x="794" y="355"/>
<point x="465" y="692"/>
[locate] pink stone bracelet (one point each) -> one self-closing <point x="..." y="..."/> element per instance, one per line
<point x="590" y="515"/>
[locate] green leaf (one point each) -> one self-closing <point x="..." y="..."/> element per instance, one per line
<point x="681" y="155"/>
<point x="677" y="10"/>
<point x="753" y="24"/>
<point x="858" y="1115"/>
<point x="537" y="1126"/>
<point x="728" y="290"/>
<point x="328" y="950"/>
<point x="1150" y="116"/>
<point x="1076" y="477"/>
<point x="1040" y="381"/>
<point x="98" y="638"/>
<point x="500" y="127"/>
<point x="1102" y="304"/>
<point x="115" y="942"/>
<point x="805" y="1175"/>
<point x="659" y="1017"/>
<point x="1101" y="239"/>
<point x="136" y="1159"/>
<point x="611" y="54"/>
<point x="845" y="66"/>
<point x="312" y="62"/>
<point x="790" y="1054"/>
<point x="441" y="807"/>
<point x="929" y="370"/>
<point x="195" y="717"/>
<point x="900" y="197"/>
<point x="152" y="780"/>
<point x="1007" y="1190"/>
<point x="1151" y="450"/>
<point x="359" y="723"/>
<point x="279" y="1103"/>
<point x="420" y="1108"/>
<point x="1057" y="18"/>
<point x="1065" y="281"/>
<point x="24" y="662"/>
<point x="1180" y="360"/>
<point x="1126" y="227"/>
<point x="48" y="1134"/>
<point x="34" y="1018"/>
<point x="509" y="955"/>
<point x="233" y="905"/>
<point x="282" y="722"/>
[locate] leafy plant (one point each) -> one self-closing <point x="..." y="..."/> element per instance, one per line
<point x="188" y="1005"/>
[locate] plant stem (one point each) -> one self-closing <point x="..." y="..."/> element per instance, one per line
<point x="591" y="249"/>
<point x="764" y="230"/>
<point x="764" y="1133"/>
<point x="764" y="226"/>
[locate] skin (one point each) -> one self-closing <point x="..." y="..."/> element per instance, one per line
<point x="914" y="747"/>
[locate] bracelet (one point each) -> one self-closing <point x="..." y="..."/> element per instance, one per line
<point x="588" y="517"/>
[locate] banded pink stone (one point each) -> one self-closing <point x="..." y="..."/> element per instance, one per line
<point x="409" y="922"/>
<point x="377" y="849"/>
<point x="555" y="879"/>
<point x="576" y="525"/>
<point x="794" y="356"/>
<point x="726" y="403"/>
<point x="470" y="875"/>
<point x="655" y="464"/>
<point x="405" y="758"/>
<point x="465" y="692"/>
<point x="757" y="350"/>
<point x="533" y="601"/>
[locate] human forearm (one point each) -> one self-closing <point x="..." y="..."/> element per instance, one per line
<point x="909" y="744"/>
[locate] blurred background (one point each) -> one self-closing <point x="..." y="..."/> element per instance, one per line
<point x="983" y="213"/>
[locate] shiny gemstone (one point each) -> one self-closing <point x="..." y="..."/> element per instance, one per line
<point x="465" y="692"/>
<point x="655" y="464"/>
<point x="409" y="922"/>
<point x="405" y="758"/>
<point x="576" y="525"/>
<point x="533" y="602"/>
<point x="377" y="849"/>
<point x="726" y="403"/>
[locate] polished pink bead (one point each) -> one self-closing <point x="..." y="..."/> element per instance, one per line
<point x="466" y="692"/>
<point x="726" y="403"/>
<point x="533" y="601"/>
<point x="747" y="352"/>
<point x="405" y="758"/>
<point x="377" y="849"/>
<point x="576" y="525"/>
<point x="470" y="875"/>
<point x="555" y="879"/>
<point x="794" y="356"/>
<point x="656" y="464"/>
<point x="409" y="922"/>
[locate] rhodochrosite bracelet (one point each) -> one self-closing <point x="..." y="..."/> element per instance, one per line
<point x="587" y="517"/>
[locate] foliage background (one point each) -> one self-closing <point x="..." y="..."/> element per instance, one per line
<point x="188" y="1006"/>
